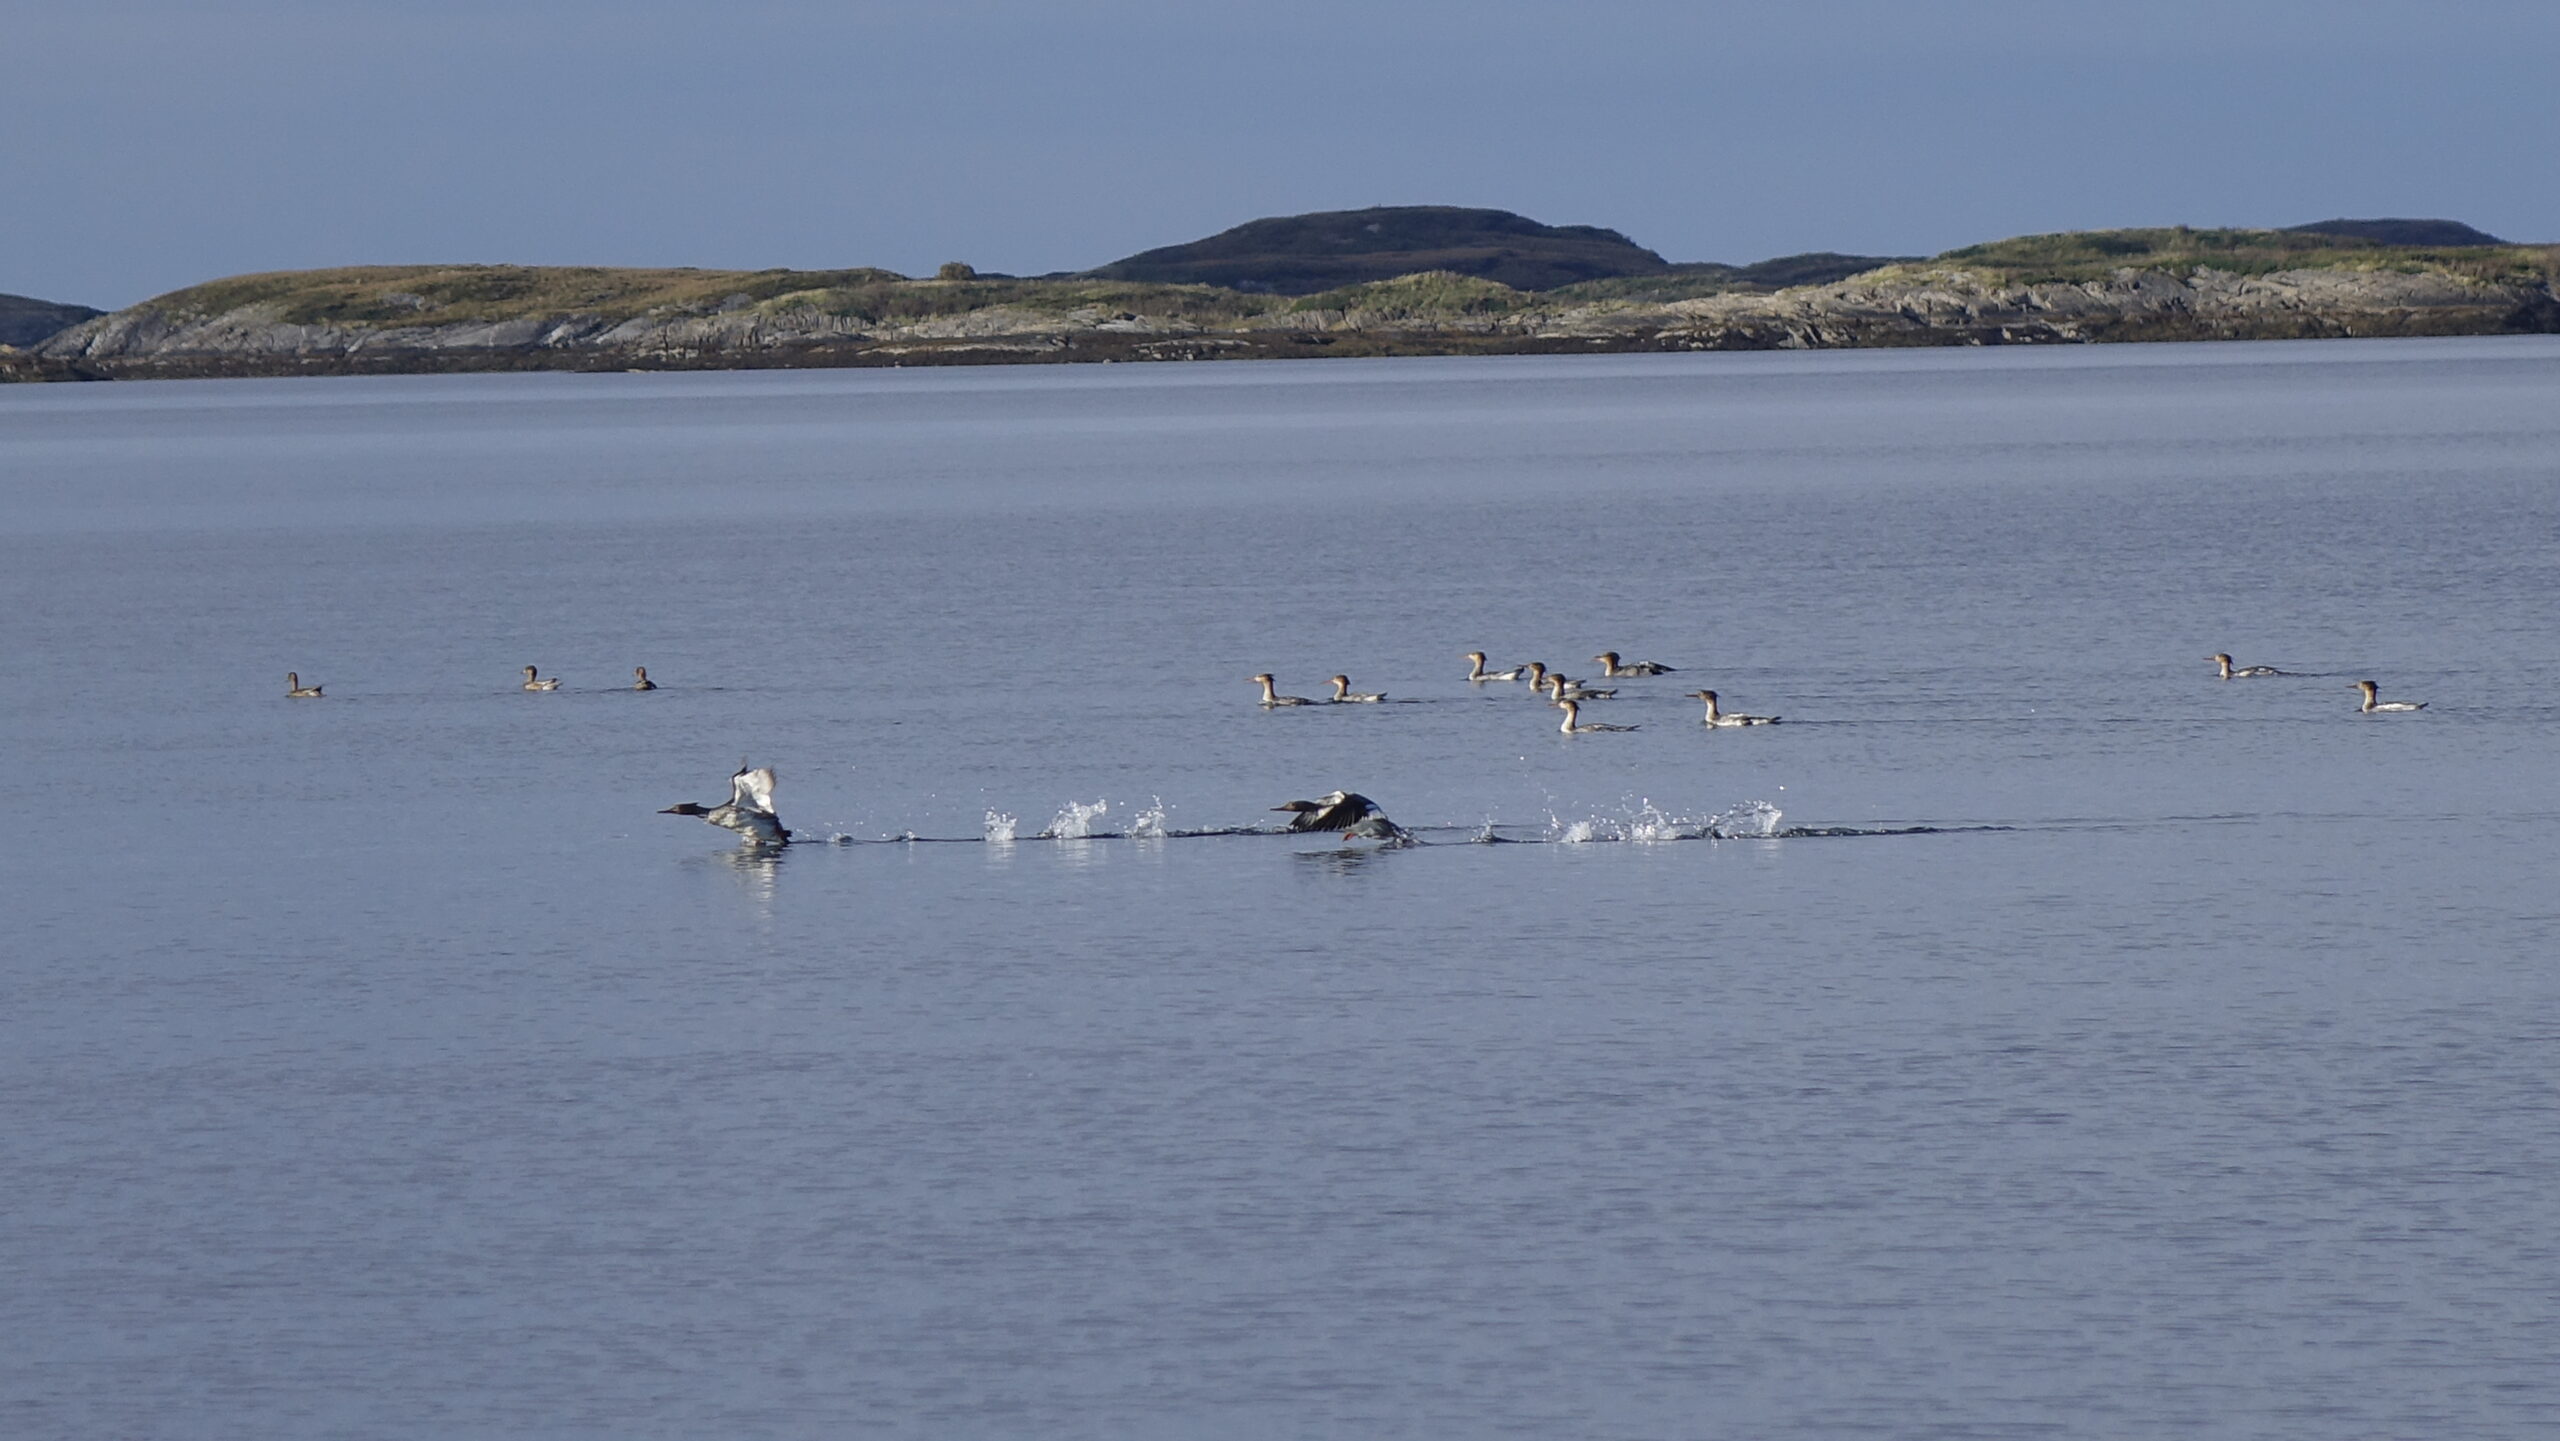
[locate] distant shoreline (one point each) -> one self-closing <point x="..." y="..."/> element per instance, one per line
<point x="2082" y="288"/>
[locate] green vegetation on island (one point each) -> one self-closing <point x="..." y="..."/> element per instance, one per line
<point x="1593" y="290"/>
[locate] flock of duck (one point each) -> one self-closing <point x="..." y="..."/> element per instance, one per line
<point x="750" y="812"/>
<point x="1560" y="690"/>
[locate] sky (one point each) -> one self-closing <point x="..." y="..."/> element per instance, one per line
<point x="152" y="144"/>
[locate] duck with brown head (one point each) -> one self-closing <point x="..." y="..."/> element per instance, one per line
<point x="1343" y="694"/>
<point x="534" y="682"/>
<point x="1271" y="698"/>
<point x="1575" y="726"/>
<point x="1716" y="717"/>
<point x="294" y="688"/>
<point x="2225" y="670"/>
<point x="1611" y="668"/>
<point x="748" y="811"/>
<point x="640" y="678"/>
<point x="2372" y="706"/>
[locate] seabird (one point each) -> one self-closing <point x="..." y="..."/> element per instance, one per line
<point x="749" y="810"/>
<point x="2371" y="705"/>
<point x="1716" y="717"/>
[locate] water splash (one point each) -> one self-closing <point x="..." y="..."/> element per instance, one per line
<point x="1074" y="822"/>
<point x="1000" y="828"/>
<point x="1650" y="826"/>
<point x="1579" y="833"/>
<point x="1750" y="821"/>
<point x="1150" y="824"/>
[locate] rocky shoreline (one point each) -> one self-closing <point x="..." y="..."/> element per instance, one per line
<point x="1901" y="306"/>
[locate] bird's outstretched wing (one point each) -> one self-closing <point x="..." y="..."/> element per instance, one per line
<point x="752" y="789"/>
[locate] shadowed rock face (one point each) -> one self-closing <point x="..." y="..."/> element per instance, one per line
<point x="2402" y="232"/>
<point x="1305" y="254"/>
<point x="25" y="322"/>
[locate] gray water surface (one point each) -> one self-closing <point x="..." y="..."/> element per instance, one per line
<point x="2031" y="1036"/>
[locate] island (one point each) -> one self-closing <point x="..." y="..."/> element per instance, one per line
<point x="1404" y="280"/>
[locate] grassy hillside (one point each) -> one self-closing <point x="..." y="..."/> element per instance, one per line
<point x="386" y="295"/>
<point x="2082" y="255"/>
<point x="874" y="298"/>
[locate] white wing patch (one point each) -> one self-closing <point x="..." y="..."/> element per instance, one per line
<point x="753" y="789"/>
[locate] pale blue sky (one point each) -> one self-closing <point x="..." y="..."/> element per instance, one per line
<point x="155" y="143"/>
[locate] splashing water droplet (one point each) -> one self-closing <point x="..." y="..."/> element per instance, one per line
<point x="1074" y="821"/>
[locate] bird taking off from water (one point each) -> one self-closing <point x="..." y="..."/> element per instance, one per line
<point x="1353" y="814"/>
<point x="749" y="811"/>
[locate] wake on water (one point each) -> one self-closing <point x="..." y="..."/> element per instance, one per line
<point x="1647" y="824"/>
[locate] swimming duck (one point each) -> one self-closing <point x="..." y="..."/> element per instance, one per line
<point x="1477" y="672"/>
<point x="2231" y="672"/>
<point x="749" y="810"/>
<point x="1564" y="687"/>
<point x="1572" y="725"/>
<point x="2371" y="705"/>
<point x="1268" y="699"/>
<point x="1535" y="673"/>
<point x="1343" y="694"/>
<point x="530" y="683"/>
<point x="640" y="678"/>
<point x="1354" y="815"/>
<point x="1610" y="669"/>
<point x="294" y="688"/>
<point x="1716" y="717"/>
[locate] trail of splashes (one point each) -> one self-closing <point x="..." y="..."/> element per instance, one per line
<point x="1151" y="824"/>
<point x="1579" y="833"/>
<point x="1074" y="822"/>
<point x="1752" y="820"/>
<point x="1000" y="828"/>
<point x="1651" y="827"/>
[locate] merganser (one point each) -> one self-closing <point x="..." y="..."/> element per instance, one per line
<point x="1342" y="694"/>
<point x="1535" y="673"/>
<point x="532" y="684"/>
<point x="640" y="678"/>
<point x="749" y="811"/>
<point x="1338" y="811"/>
<point x="1611" y="670"/>
<point x="1477" y="672"/>
<point x="294" y="688"/>
<point x="1563" y="687"/>
<point x="1716" y="717"/>
<point x="1268" y="699"/>
<point x="1572" y="725"/>
<point x="2230" y="672"/>
<point x="2371" y="705"/>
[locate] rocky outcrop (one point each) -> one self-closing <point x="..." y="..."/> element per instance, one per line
<point x="1897" y="306"/>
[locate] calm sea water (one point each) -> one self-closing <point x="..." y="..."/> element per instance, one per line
<point x="2032" y="1036"/>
